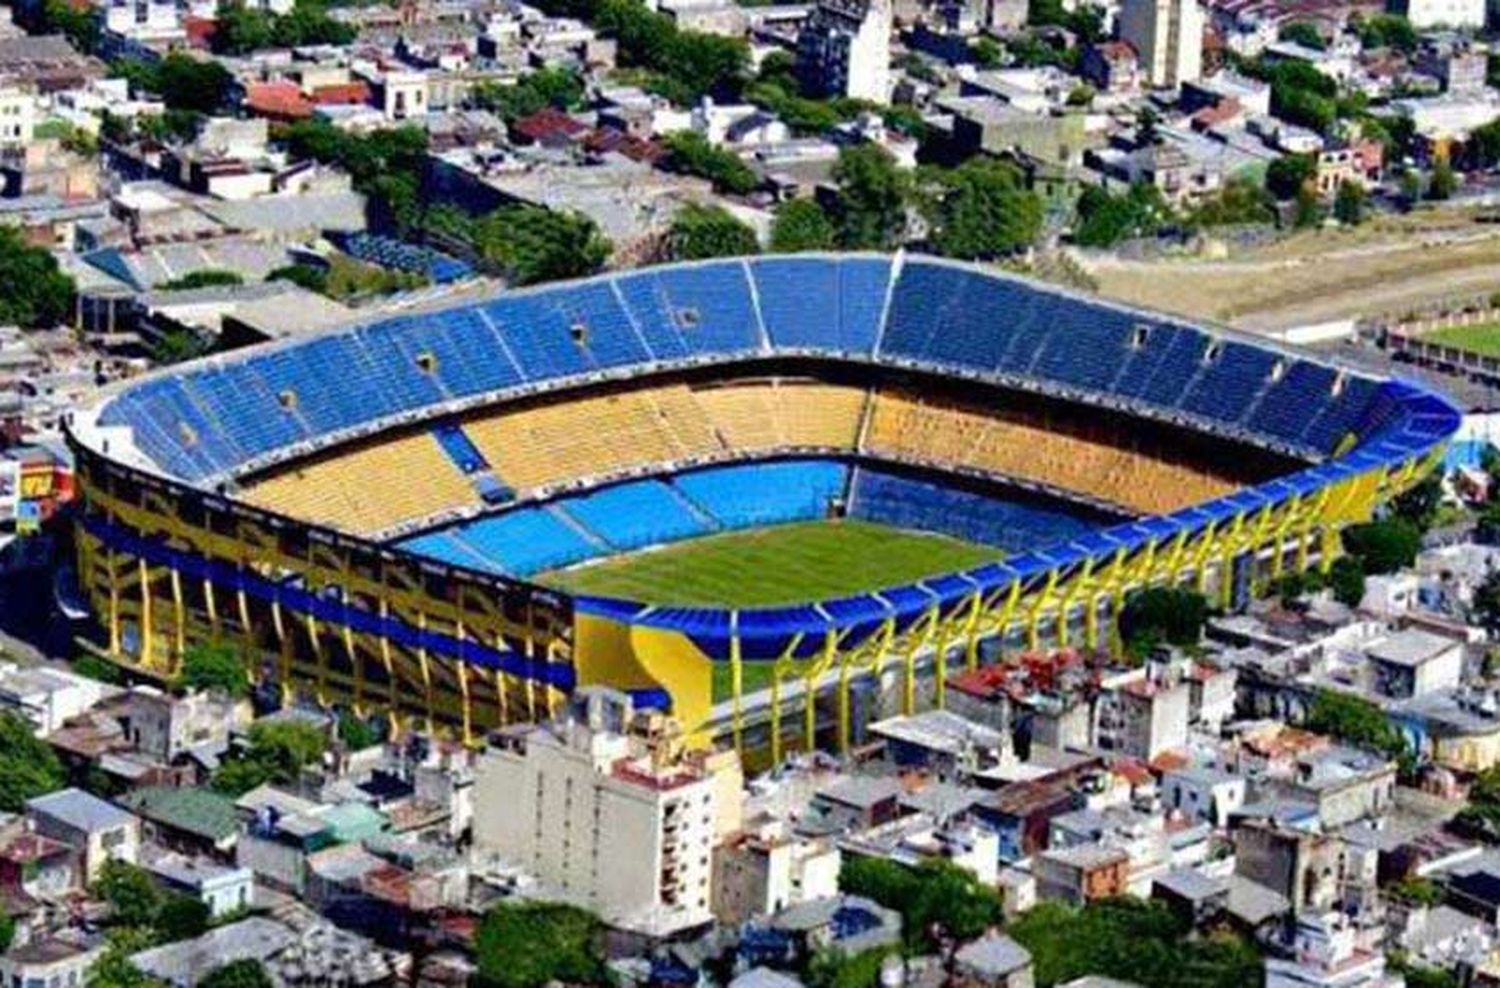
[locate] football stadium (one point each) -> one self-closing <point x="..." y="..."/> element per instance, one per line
<point x="775" y="496"/>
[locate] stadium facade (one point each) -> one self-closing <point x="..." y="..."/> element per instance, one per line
<point x="365" y="508"/>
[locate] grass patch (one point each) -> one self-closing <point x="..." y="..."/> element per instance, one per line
<point x="1483" y="339"/>
<point x="768" y="567"/>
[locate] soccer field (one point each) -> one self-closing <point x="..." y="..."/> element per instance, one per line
<point x="782" y="564"/>
<point x="1483" y="339"/>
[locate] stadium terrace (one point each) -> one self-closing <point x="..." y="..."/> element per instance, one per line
<point x="870" y="468"/>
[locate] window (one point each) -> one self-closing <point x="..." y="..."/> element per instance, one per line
<point x="688" y="318"/>
<point x="1139" y="335"/>
<point x="288" y="399"/>
<point x="580" y="333"/>
<point x="428" y="362"/>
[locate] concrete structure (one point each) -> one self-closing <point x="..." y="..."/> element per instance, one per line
<point x="1204" y="793"/>
<point x="223" y="890"/>
<point x="100" y="831"/>
<point x="993" y="960"/>
<point x="1414" y="663"/>
<point x="1426" y="14"/>
<point x="47" y="698"/>
<point x="606" y="809"/>
<point x="49" y="962"/>
<point x="1327" y="954"/>
<point x="760" y="873"/>
<point x="844" y="49"/>
<point x="1167" y="36"/>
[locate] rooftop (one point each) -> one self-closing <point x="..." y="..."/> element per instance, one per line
<point x="79" y="810"/>
<point x="197" y="811"/>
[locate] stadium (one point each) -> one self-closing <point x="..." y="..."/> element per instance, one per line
<point x="775" y="495"/>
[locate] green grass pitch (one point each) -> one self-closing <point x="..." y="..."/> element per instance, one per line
<point x="1483" y="339"/>
<point x="780" y="564"/>
<point x="766" y="567"/>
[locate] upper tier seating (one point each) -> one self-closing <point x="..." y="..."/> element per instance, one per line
<point x="224" y="414"/>
<point x="1099" y="463"/>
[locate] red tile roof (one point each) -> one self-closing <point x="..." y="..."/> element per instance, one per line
<point x="547" y="123"/>
<point x="281" y="99"/>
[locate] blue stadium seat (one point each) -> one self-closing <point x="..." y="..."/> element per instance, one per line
<point x="635" y="515"/>
<point x="703" y="308"/>
<point x="754" y="494"/>
<point x="816" y="303"/>
<point x="525" y="541"/>
<point x="1014" y="525"/>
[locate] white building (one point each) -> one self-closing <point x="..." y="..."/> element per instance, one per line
<point x="1168" y="38"/>
<point x="48" y="697"/>
<point x="1427" y="14"/>
<point x="17" y="114"/>
<point x="756" y="874"/>
<point x="1204" y="794"/>
<point x="608" y="812"/>
<point x="1326" y="954"/>
<point x="844" y="49"/>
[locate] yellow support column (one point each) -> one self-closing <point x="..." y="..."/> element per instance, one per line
<point x="148" y="650"/>
<point x="775" y="714"/>
<point x="736" y="683"/>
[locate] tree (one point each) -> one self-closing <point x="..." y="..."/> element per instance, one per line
<point x="178" y="345"/>
<point x="986" y="52"/>
<point x="699" y="232"/>
<point x="1104" y="219"/>
<point x="558" y="88"/>
<point x="801" y="225"/>
<point x="1419" y="504"/>
<point x="247" y="973"/>
<point x="214" y="666"/>
<point x="1308" y="211"/>
<point x="1289" y="174"/>
<point x="1385" y="31"/>
<point x="1485" y="607"/>
<point x="1303" y="33"/>
<point x="182" y="81"/>
<point x="1384" y="546"/>
<point x="528" y="944"/>
<point x="1239" y="202"/>
<point x="180" y="917"/>
<point x="278" y="751"/>
<point x="832" y="968"/>
<point x="28" y="766"/>
<point x="314" y="279"/>
<point x="531" y="244"/>
<point x="1162" y="616"/>
<point x="1133" y="940"/>
<point x="872" y="197"/>
<point x="1349" y="204"/>
<point x="241" y="29"/>
<point x="1443" y="182"/>
<point x="1346" y="578"/>
<point x="207" y="278"/>
<point x="357" y="733"/>
<point x="114" y="970"/>
<point x="691" y="153"/>
<point x="99" y="669"/>
<point x="936" y="900"/>
<point x="37" y="293"/>
<point x="1356" y="721"/>
<point x="133" y="896"/>
<point x="986" y="211"/>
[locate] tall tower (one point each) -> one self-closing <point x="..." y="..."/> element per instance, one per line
<point x="845" y="49"/>
<point x="1168" y="37"/>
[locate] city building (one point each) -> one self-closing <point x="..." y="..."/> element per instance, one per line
<point x="1167" y="36"/>
<point x="844" y="49"/>
<point x="607" y="810"/>
<point x="100" y="831"/>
